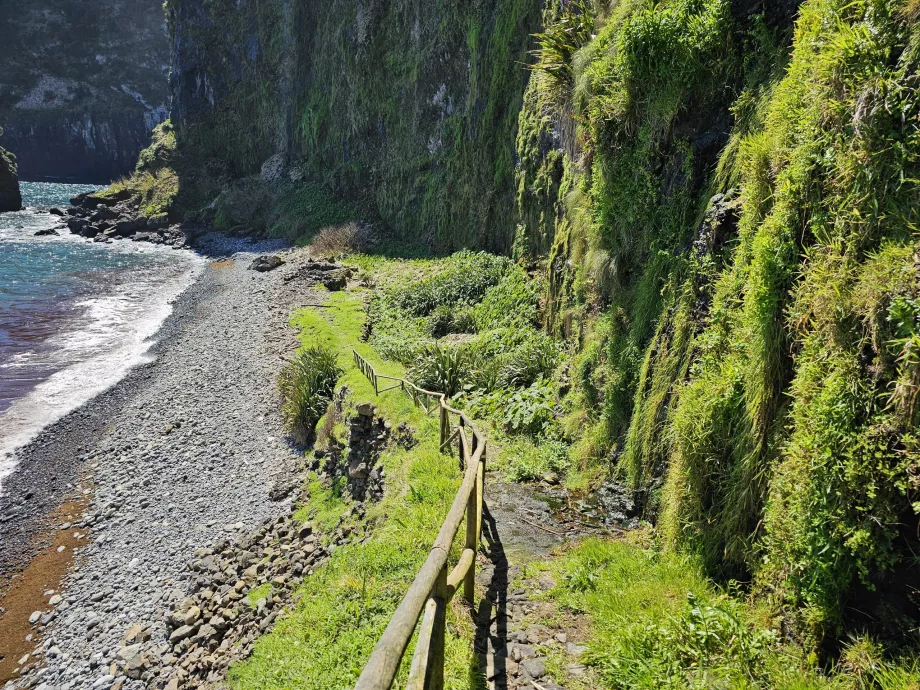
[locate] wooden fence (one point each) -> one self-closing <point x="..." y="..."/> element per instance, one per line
<point x="434" y="586"/>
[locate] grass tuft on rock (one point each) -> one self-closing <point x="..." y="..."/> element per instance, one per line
<point x="306" y="384"/>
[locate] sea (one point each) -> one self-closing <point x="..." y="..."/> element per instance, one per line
<point x="75" y="316"/>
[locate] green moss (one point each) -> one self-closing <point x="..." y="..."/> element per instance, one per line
<point x="154" y="184"/>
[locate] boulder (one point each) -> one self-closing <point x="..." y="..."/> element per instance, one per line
<point x="10" y="198"/>
<point x="124" y="227"/>
<point x="76" y="225"/>
<point x="46" y="231"/>
<point x="157" y="222"/>
<point x="336" y="281"/>
<point x="92" y="199"/>
<point x="55" y="211"/>
<point x="266" y="262"/>
<point x="103" y="213"/>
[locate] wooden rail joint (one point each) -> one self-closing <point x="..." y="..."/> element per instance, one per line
<point x="434" y="586"/>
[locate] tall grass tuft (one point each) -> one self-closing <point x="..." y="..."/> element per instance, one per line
<point x="441" y="368"/>
<point x="306" y="384"/>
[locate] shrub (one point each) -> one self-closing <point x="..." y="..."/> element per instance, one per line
<point x="441" y="369"/>
<point x="463" y="279"/>
<point x="530" y="461"/>
<point x="306" y="384"/>
<point x="343" y="239"/>
<point x="528" y="411"/>
<point x="535" y="359"/>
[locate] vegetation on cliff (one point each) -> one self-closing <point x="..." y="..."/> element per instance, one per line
<point x="734" y="224"/>
<point x="711" y="212"/>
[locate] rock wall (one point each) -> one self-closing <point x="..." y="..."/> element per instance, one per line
<point x="411" y="105"/>
<point x="81" y="85"/>
<point x="10" y="199"/>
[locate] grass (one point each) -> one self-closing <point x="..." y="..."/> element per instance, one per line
<point x="657" y="622"/>
<point x="307" y="383"/>
<point x="344" y="606"/>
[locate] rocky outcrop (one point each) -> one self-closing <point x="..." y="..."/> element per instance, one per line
<point x="81" y="85"/>
<point x="114" y="216"/>
<point x="10" y="198"/>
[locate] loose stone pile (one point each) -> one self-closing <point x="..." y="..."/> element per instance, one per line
<point x="239" y="592"/>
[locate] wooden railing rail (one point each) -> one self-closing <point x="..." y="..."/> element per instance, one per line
<point x="433" y="587"/>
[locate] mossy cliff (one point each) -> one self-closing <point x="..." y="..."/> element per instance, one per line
<point x="729" y="208"/>
<point x="81" y="85"/>
<point x="725" y="199"/>
<point x="408" y="106"/>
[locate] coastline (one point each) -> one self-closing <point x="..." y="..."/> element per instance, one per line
<point x="165" y="459"/>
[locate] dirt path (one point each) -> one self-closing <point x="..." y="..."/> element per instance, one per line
<point x="524" y="641"/>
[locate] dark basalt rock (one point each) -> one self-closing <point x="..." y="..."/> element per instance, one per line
<point x="267" y="262"/>
<point x="10" y="198"/>
<point x="93" y="201"/>
<point x="46" y="231"/>
<point x="76" y="224"/>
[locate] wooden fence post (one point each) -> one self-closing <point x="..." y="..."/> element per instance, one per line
<point x="445" y="428"/>
<point x="472" y="538"/>
<point x="436" y="667"/>
<point x="480" y="492"/>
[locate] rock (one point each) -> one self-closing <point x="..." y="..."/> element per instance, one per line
<point x="54" y="211"/>
<point x="92" y="200"/>
<point x="125" y="227"/>
<point x="76" y="225"/>
<point x="103" y="213"/>
<point x="534" y="668"/>
<point x="34" y="618"/>
<point x="54" y="600"/>
<point x="10" y="198"/>
<point x="45" y="231"/>
<point x="103" y="681"/>
<point x="266" y="262"/>
<point x="181" y="633"/>
<point x="157" y="222"/>
<point x="550" y="477"/>
<point x="136" y="634"/>
<point x="575" y="649"/>
<point x="336" y="281"/>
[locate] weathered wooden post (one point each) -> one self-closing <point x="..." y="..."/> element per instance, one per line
<point x="445" y="428"/>
<point x="472" y="538"/>
<point x="435" y="680"/>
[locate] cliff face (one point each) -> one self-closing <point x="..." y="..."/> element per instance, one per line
<point x="723" y="194"/>
<point x="10" y="199"/>
<point x="81" y="85"/>
<point x="409" y="104"/>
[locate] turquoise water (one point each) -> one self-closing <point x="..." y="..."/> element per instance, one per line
<point x="75" y="315"/>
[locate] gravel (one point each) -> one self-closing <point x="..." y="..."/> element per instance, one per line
<point x="181" y="454"/>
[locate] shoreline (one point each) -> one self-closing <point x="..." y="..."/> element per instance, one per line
<point x="98" y="440"/>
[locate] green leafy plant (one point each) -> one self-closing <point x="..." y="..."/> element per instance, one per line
<point x="307" y="384"/>
<point x="440" y="368"/>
